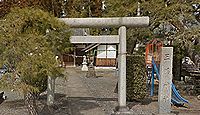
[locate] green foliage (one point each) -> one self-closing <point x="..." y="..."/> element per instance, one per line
<point x="51" y="6"/>
<point x="120" y="8"/>
<point x="162" y="10"/>
<point x="177" y="13"/>
<point x="197" y="48"/>
<point x="117" y="8"/>
<point x="30" y="39"/>
<point x="35" y="21"/>
<point x="136" y="77"/>
<point x="183" y="44"/>
<point x="137" y="35"/>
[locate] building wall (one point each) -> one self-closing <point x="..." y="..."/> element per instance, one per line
<point x="106" y="55"/>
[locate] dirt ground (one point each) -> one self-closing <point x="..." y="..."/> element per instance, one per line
<point x="79" y="95"/>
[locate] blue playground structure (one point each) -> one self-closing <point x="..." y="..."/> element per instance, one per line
<point x="176" y="98"/>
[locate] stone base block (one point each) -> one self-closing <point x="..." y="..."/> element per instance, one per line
<point x="172" y="113"/>
<point x="123" y="111"/>
<point x="167" y="114"/>
<point x="84" y="68"/>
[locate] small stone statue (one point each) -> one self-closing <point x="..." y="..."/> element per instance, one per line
<point x="91" y="70"/>
<point x="84" y="67"/>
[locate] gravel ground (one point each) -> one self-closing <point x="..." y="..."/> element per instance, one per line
<point x="79" y="95"/>
<point x="102" y="88"/>
<point x="76" y="95"/>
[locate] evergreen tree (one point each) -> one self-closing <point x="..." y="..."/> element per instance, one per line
<point x="30" y="40"/>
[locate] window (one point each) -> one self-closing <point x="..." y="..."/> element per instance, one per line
<point x="106" y="51"/>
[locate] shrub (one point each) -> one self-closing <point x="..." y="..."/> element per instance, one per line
<point x="136" y="77"/>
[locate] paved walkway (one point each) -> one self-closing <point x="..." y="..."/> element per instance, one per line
<point x="89" y="96"/>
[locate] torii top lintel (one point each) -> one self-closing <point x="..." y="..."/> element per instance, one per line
<point x="107" y="22"/>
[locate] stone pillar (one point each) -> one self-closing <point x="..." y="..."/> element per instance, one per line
<point x="122" y="68"/>
<point x="50" y="91"/>
<point x="122" y="109"/>
<point x="164" y="94"/>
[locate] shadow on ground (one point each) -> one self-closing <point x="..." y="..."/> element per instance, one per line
<point x="71" y="105"/>
<point x="14" y="104"/>
<point x="63" y="105"/>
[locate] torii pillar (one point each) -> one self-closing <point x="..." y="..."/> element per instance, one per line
<point x="121" y="23"/>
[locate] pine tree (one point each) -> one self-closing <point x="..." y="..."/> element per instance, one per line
<point x="30" y="40"/>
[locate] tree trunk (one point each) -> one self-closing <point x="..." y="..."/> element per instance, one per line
<point x="177" y="69"/>
<point x="50" y="91"/>
<point x="30" y="102"/>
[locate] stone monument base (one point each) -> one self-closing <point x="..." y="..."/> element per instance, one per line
<point x="123" y="111"/>
<point x="84" y="68"/>
<point x="171" y="113"/>
<point x="167" y="114"/>
<point x="91" y="72"/>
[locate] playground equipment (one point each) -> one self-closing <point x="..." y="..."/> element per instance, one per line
<point x="153" y="50"/>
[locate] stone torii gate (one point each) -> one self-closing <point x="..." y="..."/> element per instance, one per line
<point x="117" y="22"/>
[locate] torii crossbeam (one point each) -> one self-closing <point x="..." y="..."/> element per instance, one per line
<point x="117" y="22"/>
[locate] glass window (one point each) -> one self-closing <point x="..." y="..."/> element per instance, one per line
<point x="101" y="54"/>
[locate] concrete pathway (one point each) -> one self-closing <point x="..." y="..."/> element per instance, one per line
<point x="88" y="96"/>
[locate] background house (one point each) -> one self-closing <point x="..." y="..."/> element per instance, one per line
<point x="101" y="55"/>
